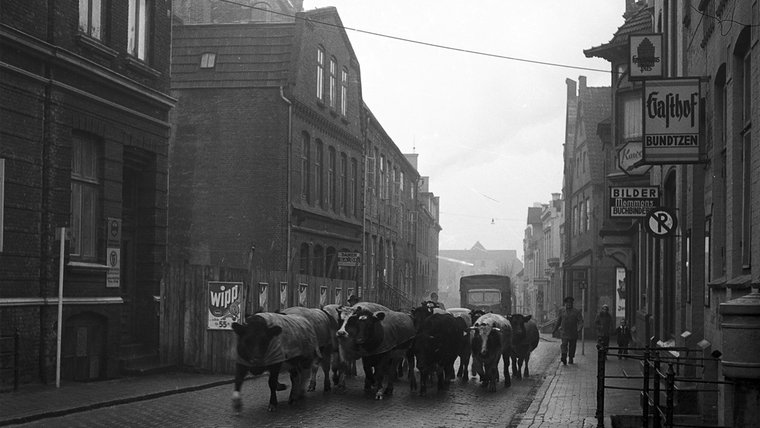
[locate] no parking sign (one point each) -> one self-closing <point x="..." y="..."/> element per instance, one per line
<point x="661" y="222"/>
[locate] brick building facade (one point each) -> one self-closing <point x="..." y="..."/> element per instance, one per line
<point x="83" y="145"/>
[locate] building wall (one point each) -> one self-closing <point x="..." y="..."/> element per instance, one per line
<point x="60" y="83"/>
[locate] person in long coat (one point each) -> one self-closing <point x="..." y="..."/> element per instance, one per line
<point x="569" y="323"/>
<point x="603" y="323"/>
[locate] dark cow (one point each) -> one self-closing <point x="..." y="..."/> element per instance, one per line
<point x="326" y="328"/>
<point x="492" y="342"/>
<point x="436" y="346"/>
<point x="465" y="348"/>
<point x="272" y="341"/>
<point x="382" y="339"/>
<point x="524" y="341"/>
<point x="347" y="350"/>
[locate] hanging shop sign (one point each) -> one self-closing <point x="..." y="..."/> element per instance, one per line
<point x="671" y="121"/>
<point x="633" y="201"/>
<point x="348" y="259"/>
<point x="645" y="59"/>
<point x="224" y="300"/>
<point x="661" y="222"/>
<point x="630" y="158"/>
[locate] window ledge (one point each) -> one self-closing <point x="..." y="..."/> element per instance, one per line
<point x="96" y="45"/>
<point x="320" y="103"/>
<point x="87" y="266"/>
<point x="739" y="282"/>
<point x="141" y="67"/>
<point x="717" y="282"/>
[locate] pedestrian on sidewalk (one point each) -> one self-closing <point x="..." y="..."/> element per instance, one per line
<point x="623" y="333"/>
<point x="603" y="323"/>
<point x="569" y="323"/>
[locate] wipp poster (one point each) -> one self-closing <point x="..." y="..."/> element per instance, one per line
<point x="224" y="299"/>
<point x="620" y="287"/>
<point x="322" y="296"/>
<point x="302" y="294"/>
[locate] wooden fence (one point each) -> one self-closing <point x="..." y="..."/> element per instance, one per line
<point x="186" y="341"/>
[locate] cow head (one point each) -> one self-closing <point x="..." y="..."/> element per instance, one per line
<point x="253" y="339"/>
<point x="369" y="328"/>
<point x="420" y="313"/>
<point x="345" y="313"/>
<point x="489" y="337"/>
<point x="517" y="321"/>
<point x="475" y="314"/>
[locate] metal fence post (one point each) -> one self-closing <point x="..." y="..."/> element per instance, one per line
<point x="645" y="391"/>
<point x="670" y="386"/>
<point x="16" y="339"/>
<point x="600" y="361"/>
<point x="656" y="392"/>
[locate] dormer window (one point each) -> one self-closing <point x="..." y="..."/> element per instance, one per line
<point x="208" y="60"/>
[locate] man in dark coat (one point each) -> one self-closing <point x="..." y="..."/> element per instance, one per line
<point x="623" y="334"/>
<point x="603" y="323"/>
<point x="569" y="323"/>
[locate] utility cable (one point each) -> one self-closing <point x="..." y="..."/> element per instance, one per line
<point x="419" y="42"/>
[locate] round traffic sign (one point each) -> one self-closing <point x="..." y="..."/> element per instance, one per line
<point x="661" y="222"/>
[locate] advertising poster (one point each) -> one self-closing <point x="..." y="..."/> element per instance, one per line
<point x="620" y="288"/>
<point x="113" y="276"/>
<point x="283" y="295"/>
<point x="302" y="295"/>
<point x="263" y="296"/>
<point x="338" y="296"/>
<point x="322" y="296"/>
<point x="349" y="292"/>
<point x="223" y="304"/>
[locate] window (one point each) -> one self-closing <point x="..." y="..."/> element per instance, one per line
<point x="354" y="190"/>
<point x="319" y="174"/>
<point x="333" y="77"/>
<point x="331" y="179"/>
<point x="343" y="184"/>
<point x="320" y="74"/>
<point x="2" y="200"/>
<point x="632" y="119"/>
<point x="588" y="214"/>
<point x="582" y="219"/>
<point x="382" y="177"/>
<point x="91" y="18"/>
<point x="344" y="92"/>
<point x="305" y="164"/>
<point x="260" y="11"/>
<point x="85" y="196"/>
<point x="743" y="142"/>
<point x="208" y="60"/>
<point x="137" y="30"/>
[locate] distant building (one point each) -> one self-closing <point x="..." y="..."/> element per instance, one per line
<point x="454" y="264"/>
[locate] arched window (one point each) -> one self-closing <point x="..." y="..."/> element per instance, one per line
<point x="303" y="265"/>
<point x="318" y="265"/>
<point x="331" y="263"/>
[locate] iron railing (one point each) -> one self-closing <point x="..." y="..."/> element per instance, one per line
<point x="654" y="380"/>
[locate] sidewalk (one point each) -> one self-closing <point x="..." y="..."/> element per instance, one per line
<point x="567" y="397"/>
<point x="33" y="402"/>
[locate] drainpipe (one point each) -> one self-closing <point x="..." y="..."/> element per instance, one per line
<point x="288" y="257"/>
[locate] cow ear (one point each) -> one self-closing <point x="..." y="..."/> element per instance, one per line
<point x="528" y="317"/>
<point x="238" y="328"/>
<point x="274" y="331"/>
<point x="380" y="315"/>
<point x="509" y="317"/>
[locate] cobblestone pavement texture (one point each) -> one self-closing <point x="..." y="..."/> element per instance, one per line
<point x="554" y="396"/>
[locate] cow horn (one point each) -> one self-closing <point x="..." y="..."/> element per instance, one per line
<point x="496" y="329"/>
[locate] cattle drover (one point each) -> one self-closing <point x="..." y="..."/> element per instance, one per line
<point x="570" y="322"/>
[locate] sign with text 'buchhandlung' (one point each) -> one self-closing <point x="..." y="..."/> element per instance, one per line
<point x="671" y="121"/>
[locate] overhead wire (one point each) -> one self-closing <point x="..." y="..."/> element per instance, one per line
<point x="422" y="43"/>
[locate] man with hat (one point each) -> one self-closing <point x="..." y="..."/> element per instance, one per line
<point x="569" y="323"/>
<point x="603" y="323"/>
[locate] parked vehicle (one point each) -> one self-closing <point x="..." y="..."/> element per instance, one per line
<point x="489" y="293"/>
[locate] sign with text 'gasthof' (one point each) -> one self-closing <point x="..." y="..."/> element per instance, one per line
<point x="633" y="201"/>
<point x="671" y="121"/>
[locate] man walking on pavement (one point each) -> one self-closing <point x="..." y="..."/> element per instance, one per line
<point x="603" y="323"/>
<point x="569" y="322"/>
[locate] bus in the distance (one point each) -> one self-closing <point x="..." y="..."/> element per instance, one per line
<point x="491" y="293"/>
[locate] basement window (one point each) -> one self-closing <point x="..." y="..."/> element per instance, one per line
<point x="208" y="60"/>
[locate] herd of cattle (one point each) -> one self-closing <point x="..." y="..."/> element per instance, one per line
<point x="300" y="340"/>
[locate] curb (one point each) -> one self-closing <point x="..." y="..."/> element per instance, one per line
<point x="119" y="401"/>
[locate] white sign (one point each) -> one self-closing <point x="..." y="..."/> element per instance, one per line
<point x="671" y="121"/>
<point x="620" y="290"/>
<point x="224" y="300"/>
<point x="113" y="260"/>
<point x="629" y="158"/>
<point x="661" y="223"/>
<point x="645" y="56"/>
<point x="633" y="201"/>
<point x="347" y="259"/>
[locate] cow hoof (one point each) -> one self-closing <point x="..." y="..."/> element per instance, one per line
<point x="379" y="396"/>
<point x="312" y="387"/>
<point x="271" y="408"/>
<point x="328" y="388"/>
<point x="237" y="404"/>
<point x="281" y="386"/>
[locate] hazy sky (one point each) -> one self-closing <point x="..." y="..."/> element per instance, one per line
<point x="489" y="131"/>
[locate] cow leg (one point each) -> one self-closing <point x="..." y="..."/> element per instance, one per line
<point x="313" y="377"/>
<point x="274" y="373"/>
<point x="507" y="379"/>
<point x="527" y="358"/>
<point x="240" y="372"/>
<point x="369" y="378"/>
<point x="412" y="377"/>
<point x="516" y="366"/>
<point x="326" y="372"/>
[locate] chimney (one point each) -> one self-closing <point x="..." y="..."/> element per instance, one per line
<point x="582" y="82"/>
<point x="556" y="196"/>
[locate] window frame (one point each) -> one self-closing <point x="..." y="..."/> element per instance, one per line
<point x="344" y="92"/>
<point x="138" y="29"/>
<point x="86" y="184"/>
<point x="320" y="73"/>
<point x="333" y="90"/>
<point x="89" y="13"/>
